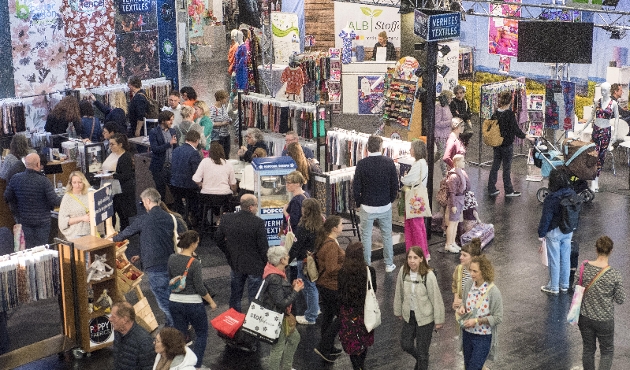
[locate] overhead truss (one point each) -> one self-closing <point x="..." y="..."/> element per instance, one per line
<point x="607" y="18"/>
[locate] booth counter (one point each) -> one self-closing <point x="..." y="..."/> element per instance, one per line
<point x="350" y="81"/>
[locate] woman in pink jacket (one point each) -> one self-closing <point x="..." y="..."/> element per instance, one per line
<point x="454" y="145"/>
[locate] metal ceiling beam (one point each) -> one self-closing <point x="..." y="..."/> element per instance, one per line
<point x="607" y="18"/>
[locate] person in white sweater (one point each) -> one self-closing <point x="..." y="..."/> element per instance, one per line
<point x="74" y="212"/>
<point x="419" y="303"/>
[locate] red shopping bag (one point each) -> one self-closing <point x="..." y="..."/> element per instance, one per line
<point x="228" y="322"/>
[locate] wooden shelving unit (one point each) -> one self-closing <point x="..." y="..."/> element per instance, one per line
<point x="90" y="330"/>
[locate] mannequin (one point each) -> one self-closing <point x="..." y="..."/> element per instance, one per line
<point x="234" y="36"/>
<point x="605" y="112"/>
<point x="458" y="184"/>
<point x="241" y="71"/>
<point x="347" y="36"/>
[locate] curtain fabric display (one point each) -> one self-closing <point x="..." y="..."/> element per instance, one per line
<point x="28" y="276"/>
<point x="270" y="114"/>
<point x="346" y="148"/>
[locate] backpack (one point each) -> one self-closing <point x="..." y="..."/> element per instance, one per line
<point x="570" y="207"/>
<point x="442" y="194"/>
<point x="491" y="132"/>
<point x="153" y="108"/>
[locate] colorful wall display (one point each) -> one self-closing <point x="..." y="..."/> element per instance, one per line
<point x="450" y="60"/>
<point x="38" y="47"/>
<point x="560" y="105"/>
<point x="7" y="85"/>
<point x="286" y="36"/>
<point x="367" y="22"/>
<point x="196" y="9"/>
<point x="91" y="43"/>
<point x="502" y="32"/>
<point x="137" y="48"/>
<point x="371" y="89"/>
<point x="167" y="42"/>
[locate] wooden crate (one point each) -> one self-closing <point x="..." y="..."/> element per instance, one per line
<point x="144" y="315"/>
<point x="124" y="283"/>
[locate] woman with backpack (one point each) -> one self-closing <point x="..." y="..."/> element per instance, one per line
<point x="558" y="244"/>
<point x="504" y="152"/>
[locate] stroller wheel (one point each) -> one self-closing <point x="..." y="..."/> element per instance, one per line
<point x="541" y="194"/>
<point x="587" y="195"/>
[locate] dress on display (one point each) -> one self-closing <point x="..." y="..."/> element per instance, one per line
<point x="295" y="79"/>
<point x="346" y="49"/>
<point x="242" y="71"/>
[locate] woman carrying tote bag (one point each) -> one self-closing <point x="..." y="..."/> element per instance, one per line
<point x="419" y="302"/>
<point x="415" y="231"/>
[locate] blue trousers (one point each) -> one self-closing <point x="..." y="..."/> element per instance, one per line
<point x="238" y="281"/>
<point x="559" y="257"/>
<point x="385" y="223"/>
<point x="311" y="294"/>
<point x="158" y="281"/>
<point x="195" y="315"/>
<point x="476" y="349"/>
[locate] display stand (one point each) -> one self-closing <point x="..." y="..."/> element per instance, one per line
<point x="90" y="329"/>
<point x="270" y="189"/>
<point x="50" y="346"/>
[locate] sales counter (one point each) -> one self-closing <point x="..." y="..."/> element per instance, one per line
<point x="350" y="74"/>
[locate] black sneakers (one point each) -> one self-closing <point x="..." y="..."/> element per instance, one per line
<point x="514" y="194"/>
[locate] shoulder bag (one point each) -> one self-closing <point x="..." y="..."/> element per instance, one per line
<point x="309" y="269"/>
<point x="576" y="303"/>
<point x="371" y="310"/>
<point x="262" y="323"/>
<point x="417" y="201"/>
<point x="178" y="283"/>
<point x="473" y="313"/>
<point x="288" y="238"/>
<point x="175" y="235"/>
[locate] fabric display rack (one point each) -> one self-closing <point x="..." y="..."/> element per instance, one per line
<point x="345" y="148"/>
<point x="29" y="276"/>
<point x="13" y="117"/>
<point x="334" y="191"/>
<point x="399" y="100"/>
<point x="275" y="115"/>
<point x="275" y="143"/>
<point x="489" y="102"/>
<point x="316" y="71"/>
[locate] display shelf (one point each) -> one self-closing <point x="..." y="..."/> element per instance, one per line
<point x="398" y="107"/>
<point x="94" y="330"/>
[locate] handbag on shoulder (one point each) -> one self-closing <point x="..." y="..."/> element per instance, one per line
<point x="262" y="323"/>
<point x="371" y="310"/>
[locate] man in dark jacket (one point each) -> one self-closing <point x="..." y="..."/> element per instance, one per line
<point x="156" y="245"/>
<point x="137" y="107"/>
<point x="375" y="188"/>
<point x="133" y="346"/>
<point x="163" y="139"/>
<point x="31" y="197"/>
<point x="242" y="236"/>
<point x="182" y="185"/>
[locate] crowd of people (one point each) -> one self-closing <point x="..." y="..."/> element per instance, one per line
<point x="188" y="127"/>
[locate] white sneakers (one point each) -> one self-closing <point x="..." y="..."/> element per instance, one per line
<point x="302" y="320"/>
<point x="453" y="248"/>
<point x="390" y="268"/>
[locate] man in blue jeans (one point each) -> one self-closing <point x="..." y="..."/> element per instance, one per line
<point x="242" y="236"/>
<point x="156" y="245"/>
<point x="375" y="188"/>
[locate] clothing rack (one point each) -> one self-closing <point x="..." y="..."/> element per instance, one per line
<point x="28" y="276"/>
<point x="276" y="142"/>
<point x="334" y="191"/>
<point x="276" y="115"/>
<point x="489" y="102"/>
<point x="346" y="148"/>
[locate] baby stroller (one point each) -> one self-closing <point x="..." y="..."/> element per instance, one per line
<point x="580" y="166"/>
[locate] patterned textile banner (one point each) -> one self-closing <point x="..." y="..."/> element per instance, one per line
<point x="38" y="47"/>
<point x="137" y="40"/>
<point x="503" y="32"/>
<point x="167" y="26"/>
<point x="7" y="86"/>
<point x="286" y="36"/>
<point x="91" y="43"/>
<point x="560" y="105"/>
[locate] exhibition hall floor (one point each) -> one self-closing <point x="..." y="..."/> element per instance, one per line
<point x="534" y="333"/>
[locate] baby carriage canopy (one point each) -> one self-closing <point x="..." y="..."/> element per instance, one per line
<point x="582" y="159"/>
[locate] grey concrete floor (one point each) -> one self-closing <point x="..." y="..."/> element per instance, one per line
<point x="534" y="334"/>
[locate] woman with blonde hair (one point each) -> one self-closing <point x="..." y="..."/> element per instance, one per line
<point x="221" y="120"/>
<point x="255" y="140"/>
<point x="293" y="210"/>
<point x="202" y="112"/>
<point x="188" y="124"/>
<point x="294" y="150"/>
<point x="74" y="212"/>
